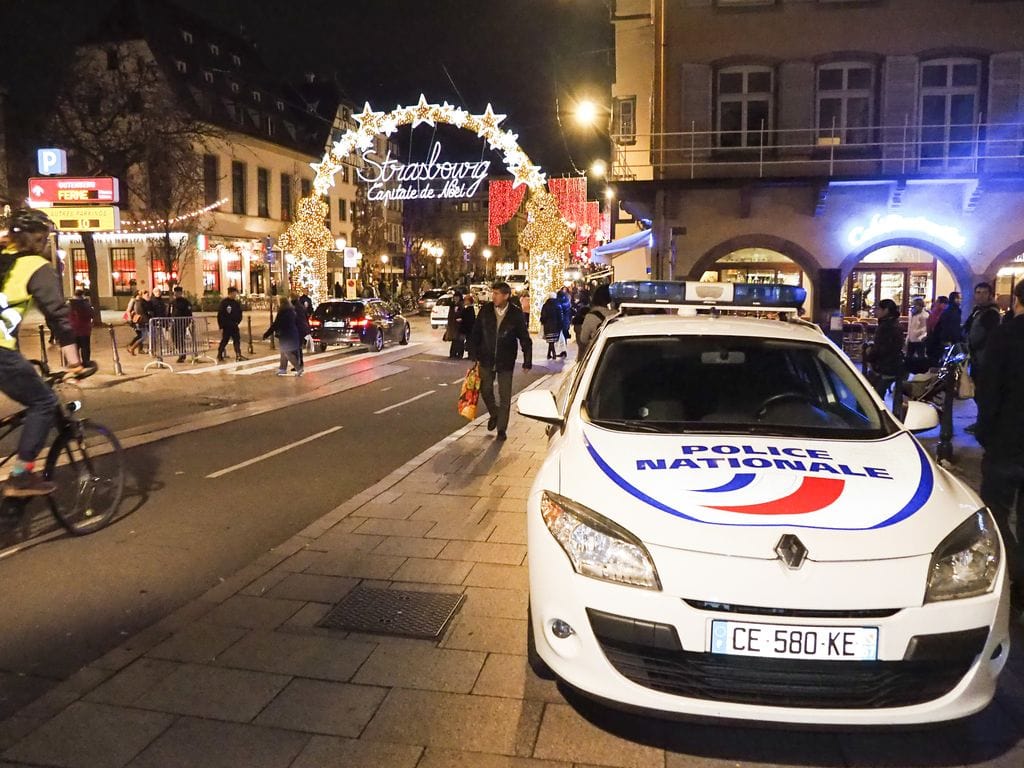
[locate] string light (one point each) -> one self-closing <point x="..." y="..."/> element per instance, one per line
<point x="142" y="224"/>
<point x="547" y="237"/>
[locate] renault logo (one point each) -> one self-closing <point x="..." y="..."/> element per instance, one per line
<point x="791" y="551"/>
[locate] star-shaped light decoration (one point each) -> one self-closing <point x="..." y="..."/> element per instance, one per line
<point x="368" y="118"/>
<point x="364" y="140"/>
<point x="489" y="119"/>
<point x="389" y="125"/>
<point x="325" y="171"/>
<point x="457" y="116"/>
<point x="343" y="146"/>
<point x="424" y="112"/>
<point x="529" y="175"/>
<point x="505" y="142"/>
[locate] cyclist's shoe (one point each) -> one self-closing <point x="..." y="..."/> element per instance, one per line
<point x="83" y="371"/>
<point x="28" y="484"/>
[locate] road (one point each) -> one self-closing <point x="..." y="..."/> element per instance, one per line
<point x="206" y="503"/>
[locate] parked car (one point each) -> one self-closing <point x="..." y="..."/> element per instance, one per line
<point x="439" y="313"/>
<point x="429" y="298"/>
<point x="518" y="281"/>
<point x="481" y="292"/>
<point x="348" y="322"/>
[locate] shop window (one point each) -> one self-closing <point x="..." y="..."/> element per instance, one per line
<point x="233" y="268"/>
<point x="286" y="197"/>
<point x="845" y="102"/>
<point x="624" y="120"/>
<point x="263" y="193"/>
<point x="950" y="105"/>
<point x="211" y="179"/>
<point x="211" y="272"/>
<point x="257" y="277"/>
<point x="238" y="187"/>
<point x="123" y="275"/>
<point x="746" y="106"/>
<point x="80" y="269"/>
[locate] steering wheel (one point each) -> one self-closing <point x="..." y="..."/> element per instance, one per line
<point x="762" y="409"/>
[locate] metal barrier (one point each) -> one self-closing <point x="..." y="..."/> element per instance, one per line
<point x="183" y="338"/>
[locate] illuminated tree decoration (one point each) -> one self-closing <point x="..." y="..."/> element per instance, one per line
<point x="547" y="237"/>
<point x="308" y="240"/>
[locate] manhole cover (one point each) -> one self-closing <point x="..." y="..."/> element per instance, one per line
<point x="394" y="612"/>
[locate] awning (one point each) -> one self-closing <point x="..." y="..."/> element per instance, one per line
<point x="641" y="239"/>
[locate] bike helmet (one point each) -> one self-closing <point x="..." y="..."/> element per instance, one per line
<point x="29" y="220"/>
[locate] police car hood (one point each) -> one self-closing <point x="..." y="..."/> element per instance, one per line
<point x="736" y="495"/>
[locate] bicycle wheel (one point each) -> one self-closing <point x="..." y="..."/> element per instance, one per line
<point x="87" y="464"/>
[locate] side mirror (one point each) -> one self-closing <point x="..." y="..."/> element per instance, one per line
<point x="920" y="417"/>
<point x="539" y="404"/>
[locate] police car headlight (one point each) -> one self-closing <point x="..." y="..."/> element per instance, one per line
<point x="967" y="561"/>
<point x="596" y="546"/>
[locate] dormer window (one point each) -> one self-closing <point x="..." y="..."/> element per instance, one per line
<point x="280" y="106"/>
<point x="186" y="36"/>
<point x="234" y="87"/>
<point x="181" y="66"/>
<point x="208" y="76"/>
<point x="215" y="49"/>
<point x="256" y="97"/>
<point x="236" y="59"/>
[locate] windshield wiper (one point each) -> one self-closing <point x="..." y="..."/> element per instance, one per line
<point x="635" y="425"/>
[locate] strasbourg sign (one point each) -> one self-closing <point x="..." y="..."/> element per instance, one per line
<point x="432" y="180"/>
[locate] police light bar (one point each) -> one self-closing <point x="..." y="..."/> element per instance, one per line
<point x="694" y="293"/>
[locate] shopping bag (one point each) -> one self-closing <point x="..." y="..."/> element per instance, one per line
<point x="560" y="346"/>
<point x="964" y="384"/>
<point x="470" y="393"/>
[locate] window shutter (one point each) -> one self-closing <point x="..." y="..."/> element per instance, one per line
<point x="1005" y="103"/>
<point x="695" y="115"/>
<point x="796" y="106"/>
<point x="899" y="109"/>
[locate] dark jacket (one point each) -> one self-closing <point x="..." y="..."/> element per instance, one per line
<point x="180" y="307"/>
<point x="307" y="304"/>
<point x="886" y="354"/>
<point x="978" y="329"/>
<point x="495" y="347"/>
<point x="301" y="319"/>
<point x="80" y="316"/>
<point x="947" y="330"/>
<point x="468" y="320"/>
<point x="565" y="307"/>
<point x="157" y="307"/>
<point x="229" y="313"/>
<point x="551" y="318"/>
<point x="1000" y="393"/>
<point x="286" y="329"/>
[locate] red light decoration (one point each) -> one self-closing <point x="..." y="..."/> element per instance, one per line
<point x="571" y="194"/>
<point x="503" y="202"/>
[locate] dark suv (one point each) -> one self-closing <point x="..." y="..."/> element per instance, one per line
<point x="357" y="321"/>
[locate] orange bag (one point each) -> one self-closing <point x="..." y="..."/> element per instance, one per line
<point x="469" y="396"/>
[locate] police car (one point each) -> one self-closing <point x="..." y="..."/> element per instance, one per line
<point x="730" y="524"/>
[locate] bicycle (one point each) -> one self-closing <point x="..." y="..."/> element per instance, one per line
<point x="85" y="461"/>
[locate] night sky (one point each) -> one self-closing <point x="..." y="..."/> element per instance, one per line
<point x="520" y="55"/>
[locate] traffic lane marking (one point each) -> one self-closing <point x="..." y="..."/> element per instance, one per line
<point x="271" y="454"/>
<point x="350" y="356"/>
<point x="404" y="402"/>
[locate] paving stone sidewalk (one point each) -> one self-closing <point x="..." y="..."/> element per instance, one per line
<point x="243" y="677"/>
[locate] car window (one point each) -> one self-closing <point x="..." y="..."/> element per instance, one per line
<point x="444" y="301"/>
<point x="338" y="310"/>
<point x="730" y="384"/>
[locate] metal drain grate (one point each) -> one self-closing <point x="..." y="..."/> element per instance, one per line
<point x="394" y="612"/>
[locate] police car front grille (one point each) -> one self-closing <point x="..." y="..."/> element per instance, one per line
<point x="805" y="613"/>
<point x="786" y="682"/>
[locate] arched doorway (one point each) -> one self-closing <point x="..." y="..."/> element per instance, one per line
<point x="899" y="272"/>
<point x="1009" y="270"/>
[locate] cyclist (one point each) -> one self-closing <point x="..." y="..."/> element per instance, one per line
<point x="25" y="274"/>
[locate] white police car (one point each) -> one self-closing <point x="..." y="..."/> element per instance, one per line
<point x="730" y="524"/>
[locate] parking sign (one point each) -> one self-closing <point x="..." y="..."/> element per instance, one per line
<point x="52" y="161"/>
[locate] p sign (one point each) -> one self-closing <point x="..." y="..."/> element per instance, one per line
<point x="52" y="162"/>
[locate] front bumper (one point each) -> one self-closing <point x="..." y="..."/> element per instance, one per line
<point x="649" y="650"/>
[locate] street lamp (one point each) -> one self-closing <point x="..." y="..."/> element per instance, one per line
<point x="586" y="112"/>
<point x="437" y="268"/>
<point x="468" y="238"/>
<point x="487" y="262"/>
<point x="599" y="168"/>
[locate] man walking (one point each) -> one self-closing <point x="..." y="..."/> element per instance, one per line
<point x="181" y="308"/>
<point x="229" y="317"/>
<point x="1000" y="431"/>
<point x="496" y="331"/>
<point x="978" y="329"/>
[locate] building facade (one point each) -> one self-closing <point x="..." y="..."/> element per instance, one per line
<point x="864" y="150"/>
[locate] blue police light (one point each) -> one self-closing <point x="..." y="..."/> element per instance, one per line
<point x="678" y="293"/>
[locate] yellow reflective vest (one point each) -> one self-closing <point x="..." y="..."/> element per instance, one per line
<point x="15" y="298"/>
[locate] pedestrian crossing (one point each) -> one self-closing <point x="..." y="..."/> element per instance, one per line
<point x="320" y="361"/>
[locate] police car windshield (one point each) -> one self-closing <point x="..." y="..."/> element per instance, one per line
<point x="733" y="385"/>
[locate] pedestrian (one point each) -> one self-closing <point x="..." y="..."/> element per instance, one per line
<point x="580" y="308"/>
<point x="1000" y="431"/>
<point x="468" y="318"/>
<point x="302" y="325"/>
<point x="229" y="317"/>
<point x="181" y="309"/>
<point x="339" y="292"/>
<point x="80" y="317"/>
<point x="157" y="305"/>
<point x="551" y="323"/>
<point x="287" y="332"/>
<point x="885" y="353"/>
<point x="139" y="312"/>
<point x="932" y="346"/>
<point x="565" y="308"/>
<point x="978" y="329"/>
<point x="453" y="328"/>
<point x="307" y="304"/>
<point x="600" y="310"/>
<point x="499" y="327"/>
<point x="948" y="330"/>
<point x="917" y="330"/>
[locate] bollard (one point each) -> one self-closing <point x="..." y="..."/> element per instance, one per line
<point x="248" y="320"/>
<point x="271" y="322"/>
<point x="42" y="347"/>
<point x="118" y="370"/>
<point x="944" y="448"/>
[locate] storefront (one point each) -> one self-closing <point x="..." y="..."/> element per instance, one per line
<point x="896" y="272"/>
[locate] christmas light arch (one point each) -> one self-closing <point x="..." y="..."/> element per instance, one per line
<point x="547" y="237"/>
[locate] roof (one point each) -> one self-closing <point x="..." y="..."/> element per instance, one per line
<point x="220" y="76"/>
<point x="710" y="325"/>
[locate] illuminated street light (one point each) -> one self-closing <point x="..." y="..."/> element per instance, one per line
<point x="468" y="238"/>
<point x="599" y="168"/>
<point x="340" y="243"/>
<point x="586" y="112"/>
<point x="384" y="259"/>
<point x="487" y="261"/>
<point x="609" y="193"/>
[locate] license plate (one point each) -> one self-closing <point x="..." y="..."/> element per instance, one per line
<point x="334" y="324"/>
<point x="787" y="641"/>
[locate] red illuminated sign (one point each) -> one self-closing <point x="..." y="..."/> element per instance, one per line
<point x="66" y="190"/>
